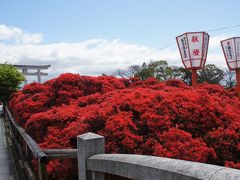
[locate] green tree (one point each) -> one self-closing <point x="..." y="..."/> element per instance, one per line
<point x="185" y="75"/>
<point x="158" y="69"/>
<point x="161" y="70"/>
<point x="145" y="72"/>
<point x="211" y="74"/>
<point x="10" y="79"/>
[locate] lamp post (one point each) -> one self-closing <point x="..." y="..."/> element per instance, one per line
<point x="231" y="50"/>
<point x="193" y="47"/>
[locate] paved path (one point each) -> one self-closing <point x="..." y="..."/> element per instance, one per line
<point x="7" y="170"/>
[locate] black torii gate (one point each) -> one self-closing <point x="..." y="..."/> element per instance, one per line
<point x="38" y="69"/>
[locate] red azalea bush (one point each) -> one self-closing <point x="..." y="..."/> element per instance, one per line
<point x="168" y="119"/>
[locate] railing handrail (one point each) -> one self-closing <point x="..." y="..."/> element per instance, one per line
<point x="42" y="155"/>
<point x="60" y="153"/>
<point x="142" y="167"/>
<point x="33" y="146"/>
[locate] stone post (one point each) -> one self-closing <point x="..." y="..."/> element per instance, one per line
<point x="39" y="75"/>
<point x="89" y="144"/>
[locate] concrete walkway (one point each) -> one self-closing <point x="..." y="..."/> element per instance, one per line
<point x="7" y="169"/>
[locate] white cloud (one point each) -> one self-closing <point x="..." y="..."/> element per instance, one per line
<point x="90" y="57"/>
<point x="28" y="38"/>
<point x="15" y="34"/>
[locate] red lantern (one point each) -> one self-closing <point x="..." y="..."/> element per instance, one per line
<point x="193" y="47"/>
<point x="231" y="50"/>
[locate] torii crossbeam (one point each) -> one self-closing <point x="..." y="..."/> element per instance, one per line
<point x="38" y="72"/>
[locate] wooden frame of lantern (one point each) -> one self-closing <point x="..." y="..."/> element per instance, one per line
<point x="193" y="48"/>
<point x="231" y="50"/>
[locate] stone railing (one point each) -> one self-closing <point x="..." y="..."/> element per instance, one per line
<point x="93" y="163"/>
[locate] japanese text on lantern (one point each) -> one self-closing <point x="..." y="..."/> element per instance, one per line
<point x="195" y="52"/>
<point x="229" y="50"/>
<point x="238" y="49"/>
<point x="195" y="39"/>
<point x="184" y="46"/>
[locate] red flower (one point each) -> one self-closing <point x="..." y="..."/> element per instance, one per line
<point x="150" y="117"/>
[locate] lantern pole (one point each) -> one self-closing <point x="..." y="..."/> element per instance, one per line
<point x="238" y="81"/>
<point x="194" y="78"/>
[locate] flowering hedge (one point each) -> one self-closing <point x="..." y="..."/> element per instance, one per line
<point x="168" y="119"/>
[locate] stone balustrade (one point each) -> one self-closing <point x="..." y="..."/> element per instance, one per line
<point x="93" y="163"/>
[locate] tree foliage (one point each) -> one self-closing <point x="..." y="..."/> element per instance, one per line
<point x="168" y="119"/>
<point x="10" y="79"/>
<point x="157" y="69"/>
<point x="162" y="71"/>
<point x="211" y="74"/>
<point x="185" y="75"/>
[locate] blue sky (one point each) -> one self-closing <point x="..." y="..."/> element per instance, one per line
<point x="148" y="22"/>
<point x="133" y="28"/>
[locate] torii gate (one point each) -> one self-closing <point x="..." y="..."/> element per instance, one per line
<point x="38" y="72"/>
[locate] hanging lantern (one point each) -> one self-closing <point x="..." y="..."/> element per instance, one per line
<point x="231" y="50"/>
<point x="193" y="47"/>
